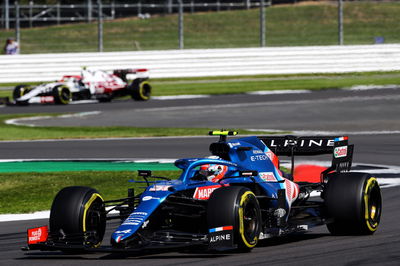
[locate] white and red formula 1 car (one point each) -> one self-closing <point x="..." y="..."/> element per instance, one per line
<point x="91" y="84"/>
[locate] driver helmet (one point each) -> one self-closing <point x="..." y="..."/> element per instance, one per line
<point x="213" y="172"/>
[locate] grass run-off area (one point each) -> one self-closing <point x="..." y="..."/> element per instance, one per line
<point x="29" y="192"/>
<point x="312" y="23"/>
<point x="242" y="84"/>
<point x="12" y="132"/>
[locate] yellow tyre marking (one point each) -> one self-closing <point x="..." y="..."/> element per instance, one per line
<point x="368" y="216"/>
<point x="60" y="88"/>
<point x="243" y="199"/>
<point x="86" y="208"/>
<point x="141" y="90"/>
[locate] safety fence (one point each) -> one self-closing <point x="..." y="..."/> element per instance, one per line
<point x="207" y="62"/>
<point x="242" y="23"/>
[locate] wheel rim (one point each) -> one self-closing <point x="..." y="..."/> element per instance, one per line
<point x="94" y="220"/>
<point x="249" y="220"/>
<point x="145" y="90"/>
<point x="65" y="95"/>
<point x="373" y="204"/>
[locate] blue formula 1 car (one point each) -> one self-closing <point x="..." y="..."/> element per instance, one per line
<point x="230" y="200"/>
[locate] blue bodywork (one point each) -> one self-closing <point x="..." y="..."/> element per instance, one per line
<point x="245" y="154"/>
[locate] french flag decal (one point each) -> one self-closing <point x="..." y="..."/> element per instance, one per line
<point x="219" y="229"/>
<point x="341" y="139"/>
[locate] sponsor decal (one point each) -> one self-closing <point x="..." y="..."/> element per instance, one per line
<point x="268" y="176"/>
<point x="144" y="225"/>
<point x="300" y="142"/>
<point x="135" y="218"/>
<point x="258" y="152"/>
<point x="220" y="237"/>
<point x="204" y="193"/>
<point x="159" y="188"/>
<point x="146" y="198"/>
<point x="340" y="152"/>
<point x="46" y="99"/>
<point x="258" y="158"/>
<point x="233" y="144"/>
<point x="123" y="231"/>
<point x="37" y="235"/>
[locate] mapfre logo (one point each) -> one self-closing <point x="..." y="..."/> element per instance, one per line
<point x="340" y="152"/>
<point x="204" y="193"/>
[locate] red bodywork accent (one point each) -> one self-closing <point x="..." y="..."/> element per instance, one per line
<point x="204" y="193"/>
<point x="66" y="77"/>
<point x="38" y="235"/>
<point x="308" y="173"/>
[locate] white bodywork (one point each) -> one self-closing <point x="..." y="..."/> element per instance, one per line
<point x="94" y="80"/>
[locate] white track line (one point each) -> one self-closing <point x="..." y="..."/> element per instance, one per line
<point x="179" y="97"/>
<point x="21" y="121"/>
<point x="278" y="92"/>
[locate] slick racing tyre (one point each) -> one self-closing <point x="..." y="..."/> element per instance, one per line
<point x="237" y="207"/>
<point x="140" y="90"/>
<point x="353" y="202"/>
<point x="61" y="94"/>
<point x="19" y="91"/>
<point x="78" y="216"/>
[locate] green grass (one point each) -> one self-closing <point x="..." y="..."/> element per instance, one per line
<point x="230" y="85"/>
<point x="286" y="25"/>
<point x="29" y="192"/>
<point x="12" y="132"/>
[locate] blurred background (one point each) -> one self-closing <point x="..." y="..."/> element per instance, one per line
<point x="52" y="26"/>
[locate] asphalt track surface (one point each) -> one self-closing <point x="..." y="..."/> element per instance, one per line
<point x="339" y="111"/>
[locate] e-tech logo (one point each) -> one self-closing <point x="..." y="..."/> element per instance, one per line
<point x="260" y="157"/>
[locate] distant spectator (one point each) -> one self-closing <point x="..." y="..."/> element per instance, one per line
<point x="11" y="47"/>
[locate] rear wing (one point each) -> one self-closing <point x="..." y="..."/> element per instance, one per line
<point x="307" y="145"/>
<point x="314" y="145"/>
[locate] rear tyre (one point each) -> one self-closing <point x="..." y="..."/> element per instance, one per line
<point x="61" y="94"/>
<point x="19" y="91"/>
<point x="354" y="202"/>
<point x="140" y="90"/>
<point x="236" y="206"/>
<point x="78" y="216"/>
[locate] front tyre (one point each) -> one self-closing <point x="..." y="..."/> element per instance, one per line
<point x="61" y="94"/>
<point x="236" y="206"/>
<point x="19" y="91"/>
<point x="353" y="202"/>
<point x="78" y="216"/>
<point x="140" y="90"/>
